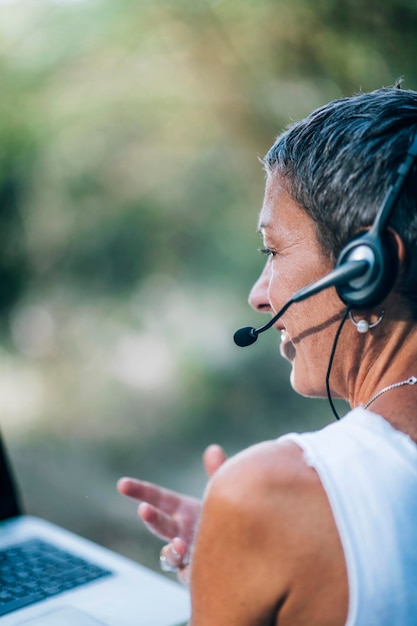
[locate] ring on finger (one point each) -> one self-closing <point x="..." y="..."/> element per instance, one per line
<point x="165" y="566"/>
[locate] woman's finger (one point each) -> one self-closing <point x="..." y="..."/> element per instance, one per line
<point x="159" y="497"/>
<point x="214" y="456"/>
<point x="174" y="556"/>
<point x="159" y="523"/>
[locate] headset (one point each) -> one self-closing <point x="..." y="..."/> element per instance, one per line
<point x="366" y="268"/>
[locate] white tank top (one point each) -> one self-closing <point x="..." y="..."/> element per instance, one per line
<point x="369" y="472"/>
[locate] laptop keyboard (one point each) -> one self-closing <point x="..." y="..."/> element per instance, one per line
<point x="34" y="570"/>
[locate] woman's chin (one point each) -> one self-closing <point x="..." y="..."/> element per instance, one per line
<point x="301" y="377"/>
<point x="304" y="386"/>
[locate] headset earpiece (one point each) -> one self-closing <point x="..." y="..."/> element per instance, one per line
<point x="381" y="254"/>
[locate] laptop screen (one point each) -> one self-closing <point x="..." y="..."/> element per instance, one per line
<point x="9" y="502"/>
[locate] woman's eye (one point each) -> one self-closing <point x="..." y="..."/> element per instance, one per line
<point x="267" y="252"/>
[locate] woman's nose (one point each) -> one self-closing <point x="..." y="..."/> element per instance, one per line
<point x="258" y="296"/>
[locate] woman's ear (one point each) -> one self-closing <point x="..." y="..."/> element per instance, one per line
<point x="399" y="243"/>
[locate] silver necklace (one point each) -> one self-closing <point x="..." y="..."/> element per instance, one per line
<point x="409" y="381"/>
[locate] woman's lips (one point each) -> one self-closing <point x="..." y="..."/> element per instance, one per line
<point x="287" y="348"/>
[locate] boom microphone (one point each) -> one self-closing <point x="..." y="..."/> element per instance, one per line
<point x="341" y="275"/>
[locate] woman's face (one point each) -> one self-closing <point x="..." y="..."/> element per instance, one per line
<point x="295" y="259"/>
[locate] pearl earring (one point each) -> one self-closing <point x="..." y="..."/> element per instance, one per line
<point x="362" y="326"/>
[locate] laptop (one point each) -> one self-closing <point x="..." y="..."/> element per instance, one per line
<point x="52" y="577"/>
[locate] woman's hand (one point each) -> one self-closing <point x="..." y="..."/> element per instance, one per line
<point x="170" y="515"/>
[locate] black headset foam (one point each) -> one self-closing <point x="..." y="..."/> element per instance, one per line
<point x="381" y="254"/>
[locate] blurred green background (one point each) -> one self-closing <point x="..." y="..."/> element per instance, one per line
<point x="130" y="133"/>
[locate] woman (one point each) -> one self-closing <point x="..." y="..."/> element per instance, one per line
<point x="319" y="529"/>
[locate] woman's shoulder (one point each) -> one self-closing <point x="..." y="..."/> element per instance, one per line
<point x="270" y="487"/>
<point x="267" y="520"/>
<point x="270" y="466"/>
